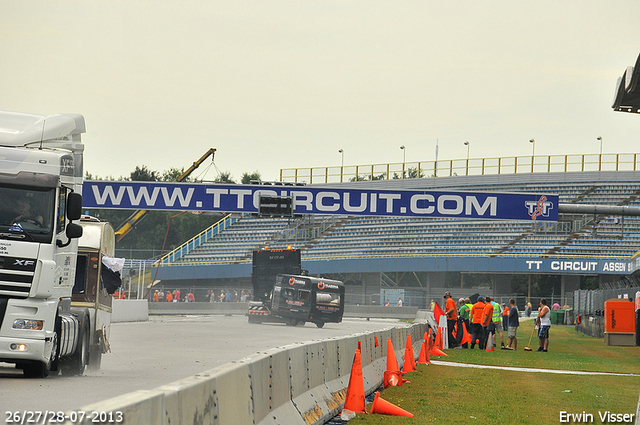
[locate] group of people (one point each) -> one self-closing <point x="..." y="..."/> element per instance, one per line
<point x="173" y="296"/>
<point x="486" y="317"/>
<point x="229" y="296"/>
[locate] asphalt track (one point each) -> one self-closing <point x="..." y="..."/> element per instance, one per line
<point x="146" y="355"/>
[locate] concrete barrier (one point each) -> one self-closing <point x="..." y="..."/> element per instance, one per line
<point x="129" y="311"/>
<point x="364" y="312"/>
<point x="300" y="384"/>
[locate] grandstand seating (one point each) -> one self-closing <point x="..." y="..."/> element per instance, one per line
<point x="347" y="237"/>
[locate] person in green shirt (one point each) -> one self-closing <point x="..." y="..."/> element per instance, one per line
<point x="464" y="312"/>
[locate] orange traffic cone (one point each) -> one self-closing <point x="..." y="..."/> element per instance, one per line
<point x="393" y="375"/>
<point x="383" y="407"/>
<point x="392" y="361"/>
<point x="466" y="338"/>
<point x="393" y="378"/>
<point x="410" y="344"/>
<point x="409" y="358"/>
<point x="424" y="355"/>
<point x="355" y="399"/>
<point x="435" y="351"/>
<point x="489" y="343"/>
<point x="438" y="343"/>
<point x="409" y="362"/>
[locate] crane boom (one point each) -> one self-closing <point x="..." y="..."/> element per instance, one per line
<point x="138" y="215"/>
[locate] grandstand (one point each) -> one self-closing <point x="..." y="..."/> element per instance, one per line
<point x="374" y="247"/>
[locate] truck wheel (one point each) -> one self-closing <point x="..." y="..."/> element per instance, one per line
<point x="319" y="324"/>
<point x="77" y="362"/>
<point x="292" y="322"/>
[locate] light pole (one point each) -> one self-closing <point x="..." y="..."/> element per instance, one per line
<point x="533" y="153"/>
<point x="404" y="159"/>
<point x="341" y="164"/>
<point x="467" y="145"/>
<point x="600" y="159"/>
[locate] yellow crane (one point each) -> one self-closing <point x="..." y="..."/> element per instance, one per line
<point x="138" y="215"/>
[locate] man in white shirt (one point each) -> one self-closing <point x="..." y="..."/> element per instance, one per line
<point x="544" y="322"/>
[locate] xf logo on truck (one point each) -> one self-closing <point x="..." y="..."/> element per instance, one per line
<point x="539" y="208"/>
<point x="22" y="264"/>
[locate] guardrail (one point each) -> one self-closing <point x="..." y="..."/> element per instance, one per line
<point x="464" y="167"/>
<point x="300" y="384"/>
<point x="197" y="240"/>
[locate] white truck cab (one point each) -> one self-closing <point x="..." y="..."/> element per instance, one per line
<point x="41" y="174"/>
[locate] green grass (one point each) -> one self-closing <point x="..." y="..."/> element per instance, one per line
<point x="455" y="395"/>
<point x="568" y="350"/>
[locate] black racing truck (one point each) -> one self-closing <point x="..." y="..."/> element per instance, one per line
<point x="284" y="294"/>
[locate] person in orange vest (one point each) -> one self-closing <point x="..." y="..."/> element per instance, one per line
<point x="155" y="296"/>
<point x="451" y="310"/>
<point x="477" y="311"/>
<point x="487" y="319"/>
<point x="169" y="296"/>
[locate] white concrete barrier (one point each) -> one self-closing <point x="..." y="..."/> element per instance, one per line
<point x="129" y="311"/>
<point x="300" y="384"/>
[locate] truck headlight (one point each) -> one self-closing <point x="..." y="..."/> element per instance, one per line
<point x="35" y="325"/>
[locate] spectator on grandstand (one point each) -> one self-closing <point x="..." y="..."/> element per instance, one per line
<point x="161" y="296"/>
<point x="387" y="303"/>
<point x="155" y="296"/>
<point x="169" y="296"/>
<point x="432" y="305"/>
<point x="176" y="296"/>
<point x="191" y="297"/>
<point x="399" y="302"/>
<point x="476" y="315"/>
<point x="243" y="297"/>
<point x="222" y="296"/>
<point x="555" y="306"/>
<point x="527" y="310"/>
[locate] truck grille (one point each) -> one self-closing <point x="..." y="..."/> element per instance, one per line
<point x="16" y="276"/>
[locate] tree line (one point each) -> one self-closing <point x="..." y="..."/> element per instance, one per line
<point x="149" y="234"/>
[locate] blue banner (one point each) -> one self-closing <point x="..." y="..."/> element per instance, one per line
<point x="314" y="200"/>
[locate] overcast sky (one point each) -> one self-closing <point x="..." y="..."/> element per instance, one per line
<point x="280" y="84"/>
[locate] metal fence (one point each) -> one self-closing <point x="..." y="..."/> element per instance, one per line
<point x="592" y="301"/>
<point x="464" y="167"/>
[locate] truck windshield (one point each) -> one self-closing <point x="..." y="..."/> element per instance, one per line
<point x="27" y="210"/>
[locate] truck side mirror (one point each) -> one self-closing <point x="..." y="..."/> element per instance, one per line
<point x="74" y="207"/>
<point x="74" y="231"/>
